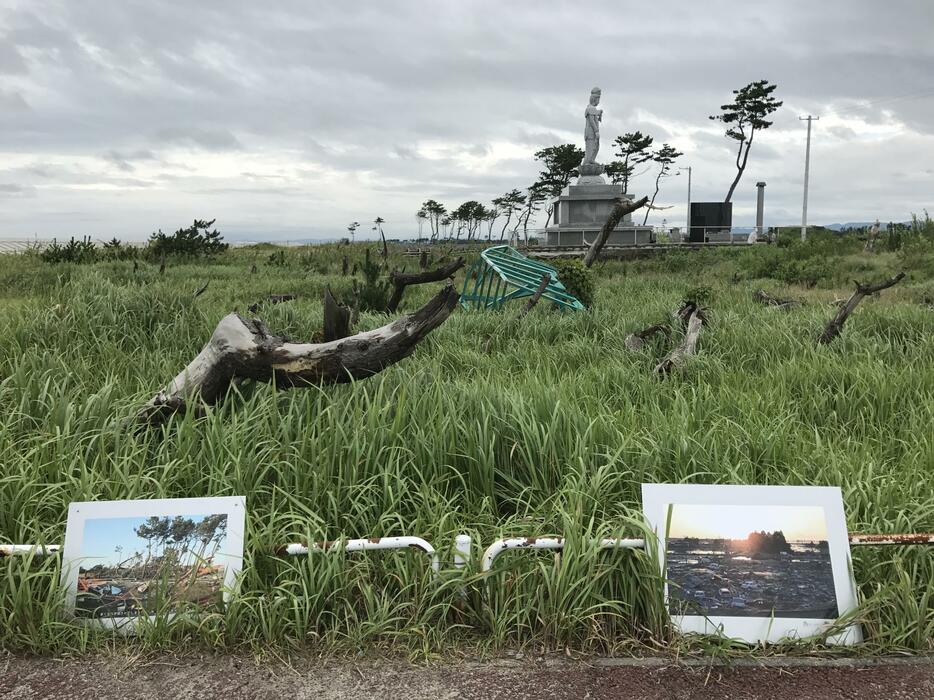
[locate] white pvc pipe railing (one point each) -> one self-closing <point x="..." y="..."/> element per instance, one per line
<point x="500" y="546"/>
<point x="366" y="545"/>
<point x="39" y="550"/>
<point x="462" y="546"/>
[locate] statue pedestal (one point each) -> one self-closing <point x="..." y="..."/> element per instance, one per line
<point x="581" y="210"/>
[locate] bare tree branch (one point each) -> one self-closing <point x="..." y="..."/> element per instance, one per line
<point x="400" y="280"/>
<point x="835" y="325"/>
<point x="533" y="300"/>
<point x="767" y="299"/>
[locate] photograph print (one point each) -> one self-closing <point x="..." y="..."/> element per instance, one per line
<point x="750" y="561"/>
<point x="757" y="563"/>
<point x="168" y="555"/>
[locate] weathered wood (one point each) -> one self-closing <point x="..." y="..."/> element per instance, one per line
<point x="533" y="300"/>
<point x="835" y="325"/>
<point x="244" y="349"/>
<point x="355" y="310"/>
<point x="423" y="260"/>
<point x="688" y="345"/>
<point x="345" y="265"/>
<point x="636" y="341"/>
<point x="620" y="209"/>
<point x="766" y="299"/>
<point x="686" y="310"/>
<point x="336" y="318"/>
<point x="400" y="280"/>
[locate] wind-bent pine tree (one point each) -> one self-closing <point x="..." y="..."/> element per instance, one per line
<point x="633" y="149"/>
<point x="510" y="203"/>
<point x="561" y="163"/>
<point x="435" y="211"/>
<point x="744" y="116"/>
<point x="664" y="156"/>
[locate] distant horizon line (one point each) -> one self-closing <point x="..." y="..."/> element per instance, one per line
<point x="245" y="239"/>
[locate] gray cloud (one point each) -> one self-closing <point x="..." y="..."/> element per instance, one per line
<point x="208" y="139"/>
<point x="124" y="160"/>
<point x="291" y="118"/>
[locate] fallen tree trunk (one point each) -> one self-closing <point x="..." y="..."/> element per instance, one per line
<point x="687" y="347"/>
<point x="241" y="348"/>
<point x="636" y="341"/>
<point x="620" y="209"/>
<point x="401" y="280"/>
<point x="835" y="325"/>
<point x="766" y="299"/>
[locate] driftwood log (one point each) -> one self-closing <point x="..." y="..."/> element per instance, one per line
<point x="766" y="299"/>
<point x="401" y="280"/>
<point x="636" y="341"/>
<point x="835" y="325"/>
<point x="245" y="349"/>
<point x="688" y="345"/>
<point x="620" y="209"/>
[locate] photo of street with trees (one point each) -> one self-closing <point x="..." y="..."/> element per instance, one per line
<point x="143" y="565"/>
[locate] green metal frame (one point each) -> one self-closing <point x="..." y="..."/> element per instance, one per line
<point x="515" y="276"/>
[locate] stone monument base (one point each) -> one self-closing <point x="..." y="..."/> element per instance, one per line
<point x="581" y="210"/>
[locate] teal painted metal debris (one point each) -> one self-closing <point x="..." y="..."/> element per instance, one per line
<point x="502" y="273"/>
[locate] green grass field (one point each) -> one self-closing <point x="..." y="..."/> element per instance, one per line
<point x="548" y="428"/>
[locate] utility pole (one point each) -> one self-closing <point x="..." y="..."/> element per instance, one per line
<point x="688" y="168"/>
<point x="760" y="209"/>
<point x="807" y="167"/>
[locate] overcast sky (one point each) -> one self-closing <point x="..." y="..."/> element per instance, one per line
<point x="292" y="119"/>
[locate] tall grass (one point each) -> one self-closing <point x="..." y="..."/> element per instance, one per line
<point x="549" y="428"/>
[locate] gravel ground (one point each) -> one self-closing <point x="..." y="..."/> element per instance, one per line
<point x="231" y="677"/>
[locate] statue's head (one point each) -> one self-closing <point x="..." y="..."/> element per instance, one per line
<point x="595" y="96"/>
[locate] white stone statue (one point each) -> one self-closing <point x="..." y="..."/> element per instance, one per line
<point x="592" y="119"/>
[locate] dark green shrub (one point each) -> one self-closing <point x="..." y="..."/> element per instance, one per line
<point x="193" y="242"/>
<point x="373" y="293"/>
<point x="577" y="279"/>
<point x="114" y="249"/>
<point x="277" y="259"/>
<point x="79" y="252"/>
<point x="700" y="294"/>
